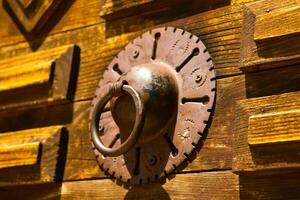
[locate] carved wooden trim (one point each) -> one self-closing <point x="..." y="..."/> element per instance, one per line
<point x="38" y="78"/>
<point x="19" y="155"/>
<point x="31" y="156"/>
<point x="274" y="128"/>
<point x="282" y="22"/>
<point x="267" y="134"/>
<point x="270" y="35"/>
<point x="32" y="14"/>
<point x="26" y="75"/>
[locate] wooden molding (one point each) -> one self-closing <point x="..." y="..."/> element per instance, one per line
<point x="40" y="78"/>
<point x="23" y="76"/>
<point x="270" y="35"/>
<point x="19" y="154"/>
<point x="267" y="134"/>
<point x="281" y="22"/>
<point x="32" y="14"/>
<point x="274" y="128"/>
<point x="30" y="156"/>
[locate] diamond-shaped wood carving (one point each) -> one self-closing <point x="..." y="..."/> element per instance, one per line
<point x="32" y="14"/>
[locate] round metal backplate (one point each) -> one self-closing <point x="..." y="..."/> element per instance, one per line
<point x="196" y="80"/>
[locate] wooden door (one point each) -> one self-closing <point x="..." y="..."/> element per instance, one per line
<point x="53" y="53"/>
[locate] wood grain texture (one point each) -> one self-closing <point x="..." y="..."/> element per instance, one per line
<point x="72" y="15"/>
<point x="46" y="79"/>
<point x="113" y="9"/>
<point x="210" y="185"/>
<point x="239" y="2"/>
<point x="275" y="187"/>
<point x="282" y="157"/>
<point x="274" y="128"/>
<point x="266" y="25"/>
<point x="49" y="191"/>
<point x="270" y="50"/>
<point x="19" y="155"/>
<point x="26" y="143"/>
<point x="22" y="76"/>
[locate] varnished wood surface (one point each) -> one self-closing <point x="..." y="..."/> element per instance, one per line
<point x="266" y="44"/>
<point x="19" y="154"/>
<point x="274" y="128"/>
<point x="209" y="185"/>
<point x="272" y="151"/>
<point x="22" y="76"/>
<point x="287" y="17"/>
<point x="30" y="156"/>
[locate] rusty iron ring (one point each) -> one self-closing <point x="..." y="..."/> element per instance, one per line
<point x="114" y="90"/>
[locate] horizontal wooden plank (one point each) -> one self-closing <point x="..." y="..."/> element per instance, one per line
<point x="275" y="187"/>
<point x="266" y="25"/>
<point x="273" y="110"/>
<point x="31" y="156"/>
<point x="19" y="154"/>
<point x="22" y="76"/>
<point x="72" y="15"/>
<point x="209" y="185"/>
<point x="110" y="6"/>
<point x="266" y="44"/>
<point x="274" y="128"/>
<point x="46" y="79"/>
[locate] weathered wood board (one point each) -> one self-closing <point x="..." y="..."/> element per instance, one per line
<point x="269" y="29"/>
<point x="39" y="78"/>
<point x="267" y="134"/>
<point x="32" y="156"/>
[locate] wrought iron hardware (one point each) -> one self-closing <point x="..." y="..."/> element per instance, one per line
<point x="161" y="90"/>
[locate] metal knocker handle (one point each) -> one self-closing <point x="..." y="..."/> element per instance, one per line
<point x="114" y="90"/>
